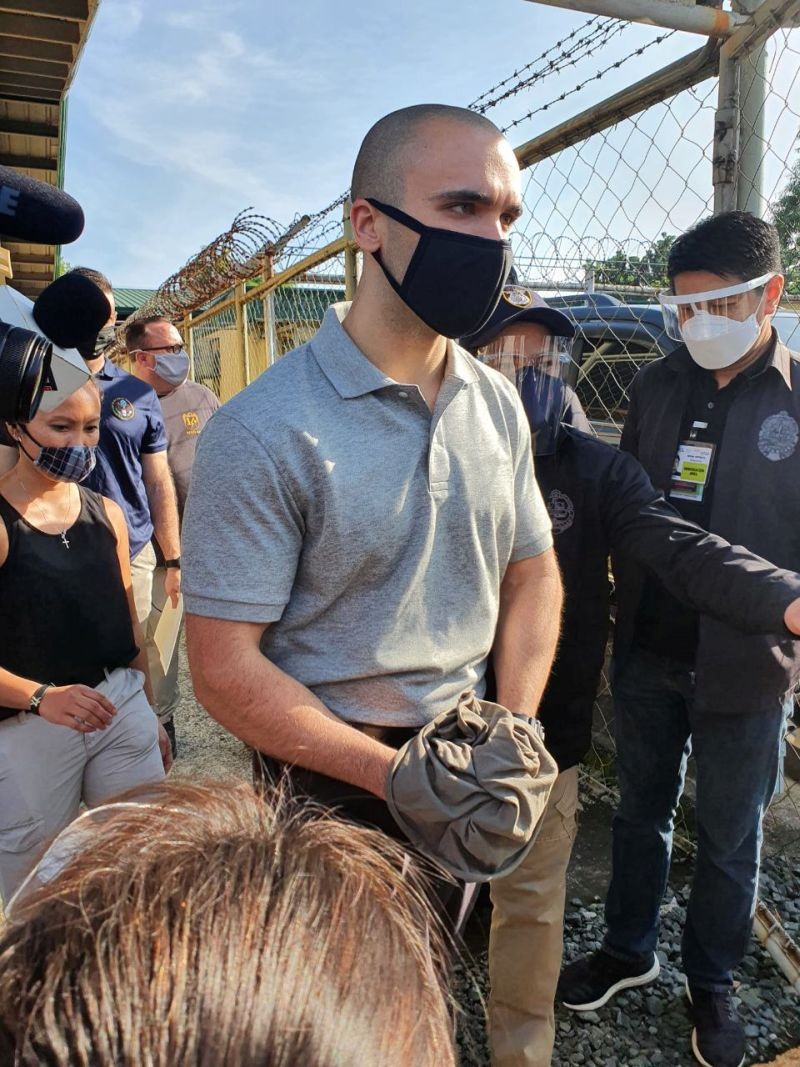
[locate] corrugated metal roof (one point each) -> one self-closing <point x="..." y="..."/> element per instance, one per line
<point x="128" y="300"/>
<point x="40" y="44"/>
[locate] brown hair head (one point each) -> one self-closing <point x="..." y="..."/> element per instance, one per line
<point x="136" y="331"/>
<point x="209" y="927"/>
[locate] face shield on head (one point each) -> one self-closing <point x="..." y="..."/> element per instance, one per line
<point x="539" y="369"/>
<point x="720" y="326"/>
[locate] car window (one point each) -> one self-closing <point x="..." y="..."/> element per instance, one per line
<point x="787" y="323"/>
<point x="608" y="365"/>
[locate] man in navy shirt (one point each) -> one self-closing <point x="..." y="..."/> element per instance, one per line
<point x="132" y="469"/>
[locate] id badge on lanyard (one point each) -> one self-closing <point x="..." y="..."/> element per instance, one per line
<point x="691" y="470"/>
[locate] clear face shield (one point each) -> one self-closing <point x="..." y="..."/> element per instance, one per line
<point x="539" y="368"/>
<point x="720" y="326"/>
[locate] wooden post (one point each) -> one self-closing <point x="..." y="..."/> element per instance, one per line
<point x="5" y="266"/>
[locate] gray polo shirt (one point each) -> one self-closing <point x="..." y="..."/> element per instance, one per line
<point x="372" y="535"/>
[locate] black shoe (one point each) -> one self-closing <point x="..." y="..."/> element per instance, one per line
<point x="718" y="1036"/>
<point x="590" y="982"/>
<point x="169" y="729"/>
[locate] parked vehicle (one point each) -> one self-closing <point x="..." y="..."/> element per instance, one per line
<point x="614" y="340"/>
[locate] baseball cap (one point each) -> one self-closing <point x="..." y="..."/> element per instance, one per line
<point x="518" y="303"/>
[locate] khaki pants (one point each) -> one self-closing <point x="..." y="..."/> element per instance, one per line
<point x="149" y="596"/>
<point x="46" y="771"/>
<point x="143" y="566"/>
<point x="527" y="937"/>
<point x="165" y="683"/>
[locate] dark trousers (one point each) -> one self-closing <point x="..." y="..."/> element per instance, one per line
<point x="737" y="760"/>
<point x="452" y="900"/>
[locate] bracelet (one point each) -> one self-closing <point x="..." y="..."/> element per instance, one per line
<point x="36" y="699"/>
<point x="173" y="564"/>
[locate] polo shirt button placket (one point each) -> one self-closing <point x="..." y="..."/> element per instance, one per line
<point x="438" y="467"/>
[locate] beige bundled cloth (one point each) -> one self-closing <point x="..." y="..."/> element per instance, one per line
<point x="470" y="788"/>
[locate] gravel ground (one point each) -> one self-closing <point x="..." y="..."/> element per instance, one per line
<point x="640" y="1028"/>
<point x="652" y="1026"/>
<point x="205" y="750"/>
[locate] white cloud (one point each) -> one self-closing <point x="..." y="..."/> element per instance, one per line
<point x="127" y="16"/>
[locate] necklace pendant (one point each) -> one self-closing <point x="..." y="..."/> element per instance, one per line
<point x="64" y="540"/>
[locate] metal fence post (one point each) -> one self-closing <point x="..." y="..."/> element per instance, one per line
<point x="268" y="303"/>
<point x="188" y="336"/>
<point x="752" y="97"/>
<point x="752" y="102"/>
<point x="725" y="161"/>
<point x="241" y="330"/>
<point x="350" y="255"/>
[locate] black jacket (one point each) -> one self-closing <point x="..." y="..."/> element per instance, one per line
<point x="756" y="502"/>
<point x="601" y="499"/>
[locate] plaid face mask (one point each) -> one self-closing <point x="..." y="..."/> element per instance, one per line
<point x="70" y="463"/>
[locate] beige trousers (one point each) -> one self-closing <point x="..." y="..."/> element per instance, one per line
<point x="527" y="937"/>
<point x="148" y="593"/>
<point x="46" y="771"/>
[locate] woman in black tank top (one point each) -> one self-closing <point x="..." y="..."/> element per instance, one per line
<point x="75" y="717"/>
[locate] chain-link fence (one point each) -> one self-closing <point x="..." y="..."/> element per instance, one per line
<point x="631" y="138"/>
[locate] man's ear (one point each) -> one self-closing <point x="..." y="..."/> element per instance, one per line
<point x="773" y="292"/>
<point x="364" y="219"/>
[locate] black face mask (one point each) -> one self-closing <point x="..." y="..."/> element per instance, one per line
<point x="454" y="280"/>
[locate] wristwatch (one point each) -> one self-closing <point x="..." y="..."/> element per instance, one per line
<point x="36" y="699"/>
<point x="531" y="720"/>
<point x="173" y="564"/>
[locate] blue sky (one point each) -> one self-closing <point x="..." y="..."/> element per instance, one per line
<point x="183" y="113"/>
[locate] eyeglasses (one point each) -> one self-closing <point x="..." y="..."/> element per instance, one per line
<point x="172" y="350"/>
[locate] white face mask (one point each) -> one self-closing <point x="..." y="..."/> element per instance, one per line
<point x="173" y="367"/>
<point x="709" y="325"/>
<point x="716" y="342"/>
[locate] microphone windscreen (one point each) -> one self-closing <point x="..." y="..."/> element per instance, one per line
<point x="71" y="312"/>
<point x="34" y="211"/>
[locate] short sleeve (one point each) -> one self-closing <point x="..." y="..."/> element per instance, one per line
<point x="242" y="531"/>
<point x="532" y="530"/>
<point x="155" y="436"/>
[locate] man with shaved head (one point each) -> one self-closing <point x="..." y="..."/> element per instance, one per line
<point x="363" y="524"/>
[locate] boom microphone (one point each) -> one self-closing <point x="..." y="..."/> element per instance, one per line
<point x="71" y="312"/>
<point x="34" y="211"/>
<point x="33" y="371"/>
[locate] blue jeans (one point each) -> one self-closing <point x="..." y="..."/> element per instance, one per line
<point x="737" y="760"/>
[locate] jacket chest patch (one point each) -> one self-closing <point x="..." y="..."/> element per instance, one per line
<point x="778" y="436"/>
<point x="561" y="511"/>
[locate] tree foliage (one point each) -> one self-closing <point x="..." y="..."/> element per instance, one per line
<point x="648" y="270"/>
<point x="786" y="216"/>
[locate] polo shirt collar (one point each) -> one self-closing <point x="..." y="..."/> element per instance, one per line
<point x="780" y="358"/>
<point x="782" y="362"/>
<point x="108" y="371"/>
<point x="352" y="374"/>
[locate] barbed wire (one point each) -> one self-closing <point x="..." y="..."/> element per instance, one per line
<point x="521" y="70"/>
<point x="588" y="81"/>
<point x="242" y="252"/>
<point x="582" y="49"/>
